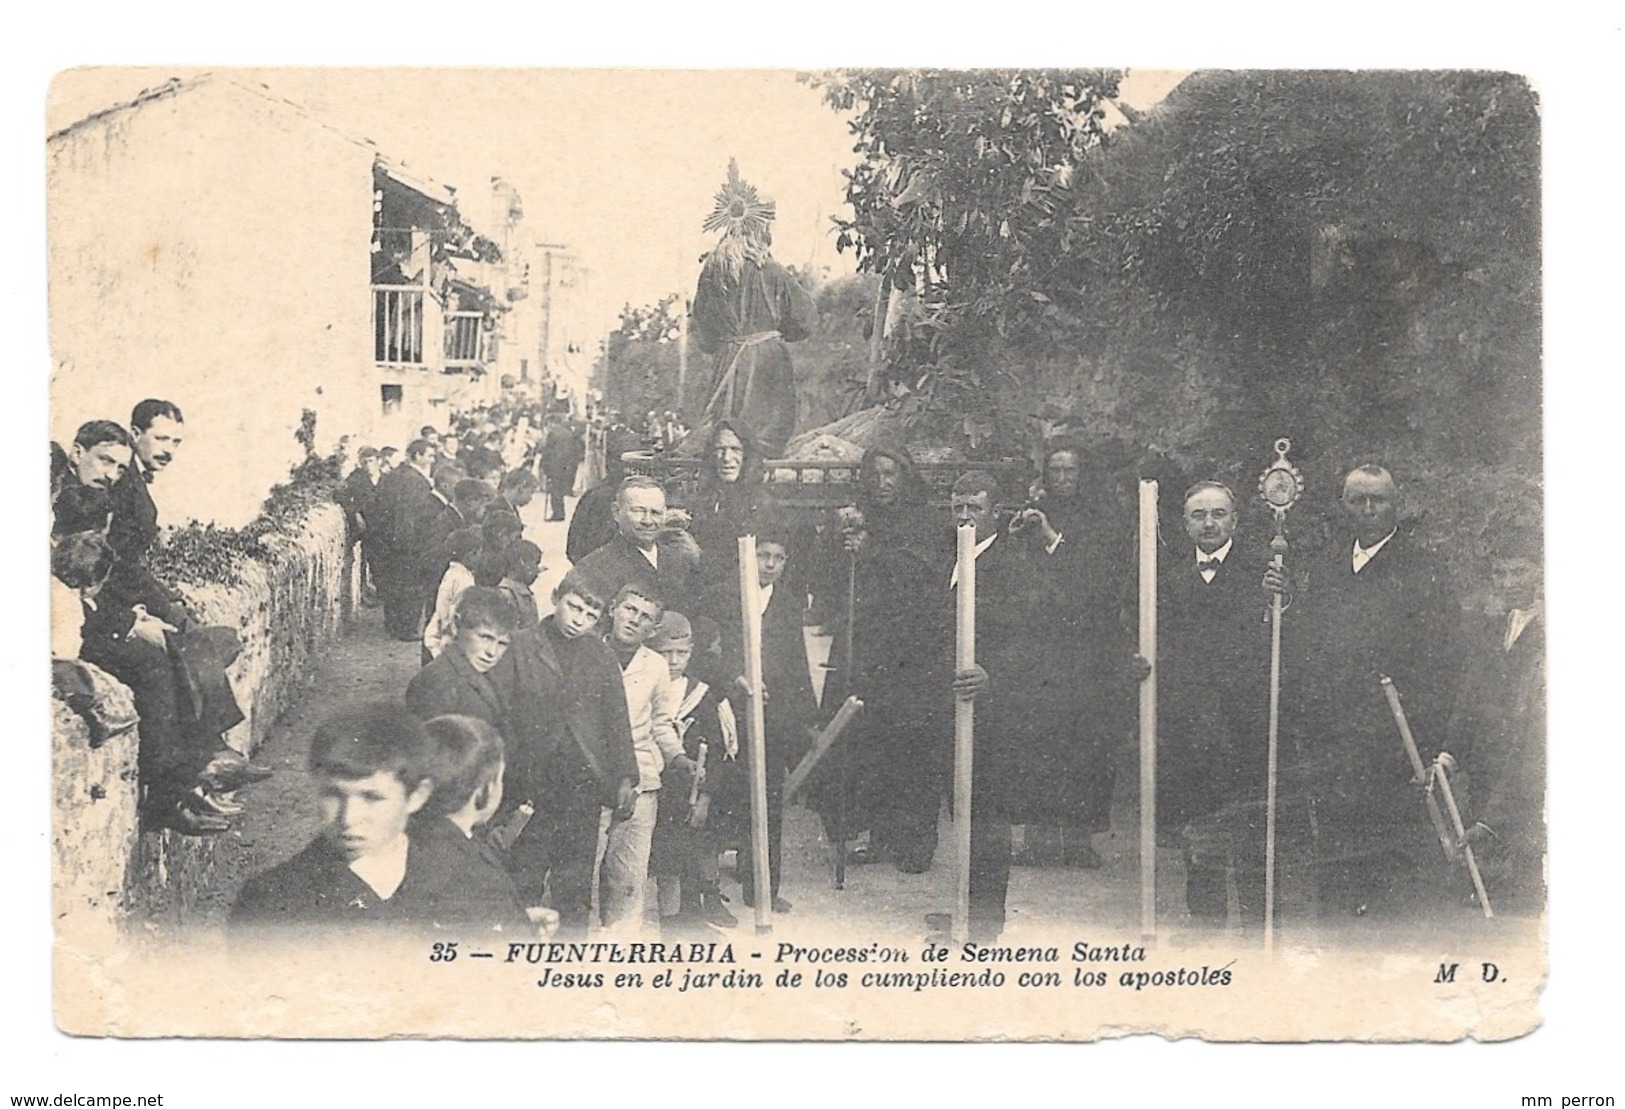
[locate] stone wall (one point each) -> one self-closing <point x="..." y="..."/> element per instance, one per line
<point x="285" y="609"/>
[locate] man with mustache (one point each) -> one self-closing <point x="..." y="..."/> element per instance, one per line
<point x="158" y="429"/>
<point x="1212" y="711"/>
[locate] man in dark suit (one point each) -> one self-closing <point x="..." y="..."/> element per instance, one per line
<point x="1374" y="604"/>
<point x="432" y="530"/>
<point x="358" y="496"/>
<point x="593" y="522"/>
<point x="572" y="752"/>
<point x="1021" y="590"/>
<point x="1212" y="707"/>
<point x="518" y="489"/>
<point x="405" y="496"/>
<point x="157" y="428"/>
<point x="560" y="455"/>
<point x="644" y="549"/>
<point x="1498" y="731"/>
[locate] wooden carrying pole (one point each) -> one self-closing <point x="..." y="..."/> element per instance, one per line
<point x="964" y="729"/>
<point x="755" y="732"/>
<point x="848" y="683"/>
<point x="1441" y="778"/>
<point x="1408" y="738"/>
<point x="826" y="739"/>
<point x="1148" y="711"/>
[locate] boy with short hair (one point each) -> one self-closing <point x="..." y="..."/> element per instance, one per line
<point x="651" y="702"/>
<point x="694" y="820"/>
<point x="522" y="566"/>
<point x="465" y="887"/>
<point x="462" y="547"/>
<point x="457" y="682"/>
<point x="570" y="752"/>
<point x="790" y="706"/>
<point x="372" y="764"/>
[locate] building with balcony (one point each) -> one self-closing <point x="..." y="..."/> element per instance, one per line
<point x="207" y="241"/>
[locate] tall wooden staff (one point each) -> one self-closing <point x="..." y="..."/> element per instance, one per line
<point x="1280" y="485"/>
<point x="964" y="728"/>
<point x="846" y="750"/>
<point x="755" y="732"/>
<point x="1148" y="711"/>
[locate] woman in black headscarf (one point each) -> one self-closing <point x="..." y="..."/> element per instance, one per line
<point x="893" y="766"/>
<point x="731" y="502"/>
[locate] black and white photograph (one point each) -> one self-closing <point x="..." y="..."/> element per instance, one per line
<point x="844" y="553"/>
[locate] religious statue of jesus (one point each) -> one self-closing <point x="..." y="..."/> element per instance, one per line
<point x="746" y="308"/>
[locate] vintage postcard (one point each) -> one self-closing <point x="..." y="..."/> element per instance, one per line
<point x="970" y="555"/>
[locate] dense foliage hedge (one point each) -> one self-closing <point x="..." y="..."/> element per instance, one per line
<point x="205" y="553"/>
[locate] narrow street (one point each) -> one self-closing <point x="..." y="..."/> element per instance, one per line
<point x="879" y="902"/>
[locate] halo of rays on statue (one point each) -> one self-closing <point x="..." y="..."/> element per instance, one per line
<point x="744" y="217"/>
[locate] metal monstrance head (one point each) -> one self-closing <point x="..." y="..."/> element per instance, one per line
<point x="1280" y="484"/>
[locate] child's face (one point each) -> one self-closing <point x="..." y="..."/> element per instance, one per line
<point x="483" y="646"/>
<point x="575" y="615"/>
<point x="364" y="816"/>
<point x="677" y="657"/>
<point x="770" y="562"/>
<point x="633" y="619"/>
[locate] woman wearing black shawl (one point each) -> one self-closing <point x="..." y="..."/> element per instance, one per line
<point x="894" y="780"/>
<point x="732" y="501"/>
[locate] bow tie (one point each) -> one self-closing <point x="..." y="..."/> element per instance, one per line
<point x="1206" y="564"/>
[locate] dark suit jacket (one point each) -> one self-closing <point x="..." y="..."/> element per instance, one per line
<point x="451" y="686"/>
<point x="433" y="527"/>
<point x="592" y="525"/>
<point x="791" y="705"/>
<point x="459" y="884"/>
<point x="1397" y="617"/>
<point x="568" y="711"/>
<point x="404" y="497"/>
<point x="1212" y="682"/>
<point x="619" y="563"/>
<point x="358" y="496"/>
<point x="317" y="889"/>
<point x="135" y="517"/>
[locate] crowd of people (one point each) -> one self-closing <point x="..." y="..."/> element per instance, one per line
<point x="596" y="731"/>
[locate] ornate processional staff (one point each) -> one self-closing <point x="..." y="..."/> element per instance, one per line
<point x="1280" y="485"/>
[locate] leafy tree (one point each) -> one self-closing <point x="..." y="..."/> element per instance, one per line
<point x="638" y="369"/>
<point x="960" y="198"/>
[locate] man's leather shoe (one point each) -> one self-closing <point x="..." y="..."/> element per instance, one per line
<point x="230" y="771"/>
<point x="715" y="912"/>
<point x="190" y="823"/>
<point x="200" y="800"/>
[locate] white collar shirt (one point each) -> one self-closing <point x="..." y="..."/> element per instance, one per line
<point x="651" y="705"/>
<point x="1363" y="555"/>
<point x="953" y="578"/>
<point x="1208" y="564"/>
